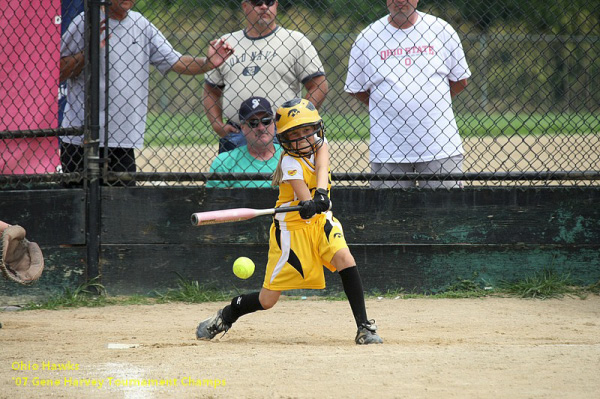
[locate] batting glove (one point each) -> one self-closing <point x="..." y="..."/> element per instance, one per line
<point x="321" y="200"/>
<point x="308" y="210"/>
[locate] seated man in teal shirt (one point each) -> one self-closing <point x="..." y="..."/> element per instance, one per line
<point x="259" y="155"/>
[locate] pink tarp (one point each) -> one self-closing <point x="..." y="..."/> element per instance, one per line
<point x="29" y="73"/>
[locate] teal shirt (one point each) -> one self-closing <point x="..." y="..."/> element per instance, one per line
<point x="239" y="160"/>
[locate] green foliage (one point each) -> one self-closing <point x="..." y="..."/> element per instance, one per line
<point x="594" y="288"/>
<point x="88" y="294"/>
<point x="518" y="61"/>
<point x="192" y="292"/>
<point x="497" y="124"/>
<point x="537" y="15"/>
<point x="543" y="285"/>
<point x="165" y="129"/>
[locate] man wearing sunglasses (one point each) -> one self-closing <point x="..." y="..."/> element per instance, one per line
<point x="134" y="44"/>
<point x="258" y="155"/>
<point x="270" y="61"/>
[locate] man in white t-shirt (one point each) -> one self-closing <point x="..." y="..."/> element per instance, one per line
<point x="269" y="62"/>
<point x="406" y="67"/>
<point x="134" y="44"/>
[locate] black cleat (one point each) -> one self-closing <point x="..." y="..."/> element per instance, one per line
<point x="212" y="326"/>
<point x="367" y="334"/>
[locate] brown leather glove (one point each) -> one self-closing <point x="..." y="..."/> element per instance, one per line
<point x="22" y="260"/>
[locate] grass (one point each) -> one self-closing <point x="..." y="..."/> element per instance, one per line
<point x="192" y="292"/>
<point x="594" y="288"/>
<point x="510" y="123"/>
<point x="545" y="284"/>
<point x="164" y="129"/>
<point x="89" y="294"/>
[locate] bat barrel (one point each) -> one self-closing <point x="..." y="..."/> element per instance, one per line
<point x="235" y="215"/>
<point x="224" y="216"/>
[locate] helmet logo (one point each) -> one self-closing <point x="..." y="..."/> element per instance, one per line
<point x="293" y="113"/>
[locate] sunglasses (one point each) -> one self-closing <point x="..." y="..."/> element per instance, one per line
<point x="253" y="123"/>
<point x="258" y="3"/>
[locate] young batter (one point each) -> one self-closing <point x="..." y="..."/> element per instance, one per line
<point x="301" y="242"/>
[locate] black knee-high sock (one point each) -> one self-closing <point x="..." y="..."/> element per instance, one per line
<point x="354" y="291"/>
<point x="241" y="305"/>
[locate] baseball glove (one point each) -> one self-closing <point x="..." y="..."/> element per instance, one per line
<point x="22" y="260"/>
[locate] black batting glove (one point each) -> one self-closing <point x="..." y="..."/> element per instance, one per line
<point x="308" y="209"/>
<point x="321" y="200"/>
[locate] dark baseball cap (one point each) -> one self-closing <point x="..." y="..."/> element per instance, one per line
<point x="253" y="106"/>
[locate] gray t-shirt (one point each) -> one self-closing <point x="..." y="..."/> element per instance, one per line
<point x="274" y="67"/>
<point x="135" y="44"/>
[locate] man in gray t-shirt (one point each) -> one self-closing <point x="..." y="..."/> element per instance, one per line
<point x="270" y="62"/>
<point x="135" y="44"/>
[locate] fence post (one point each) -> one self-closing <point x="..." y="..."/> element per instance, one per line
<point x="91" y="142"/>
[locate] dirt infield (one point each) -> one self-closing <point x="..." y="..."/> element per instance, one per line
<point x="434" y="348"/>
<point x="488" y="154"/>
<point x="482" y="154"/>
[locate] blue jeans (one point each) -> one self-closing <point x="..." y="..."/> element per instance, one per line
<point x="231" y="141"/>
<point x="234" y="140"/>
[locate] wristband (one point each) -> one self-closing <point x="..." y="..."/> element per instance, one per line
<point x="322" y="191"/>
<point x="235" y="125"/>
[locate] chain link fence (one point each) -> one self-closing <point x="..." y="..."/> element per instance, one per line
<point x="529" y="115"/>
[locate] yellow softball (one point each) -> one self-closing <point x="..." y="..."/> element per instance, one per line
<point x="243" y="267"/>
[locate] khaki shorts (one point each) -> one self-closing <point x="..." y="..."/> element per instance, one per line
<point x="297" y="257"/>
<point x="446" y="165"/>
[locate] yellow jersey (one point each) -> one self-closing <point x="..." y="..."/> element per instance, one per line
<point x="296" y="169"/>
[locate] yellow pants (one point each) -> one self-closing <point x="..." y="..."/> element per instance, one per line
<point x="297" y="257"/>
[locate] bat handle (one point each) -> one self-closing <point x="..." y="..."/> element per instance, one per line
<point x="287" y="209"/>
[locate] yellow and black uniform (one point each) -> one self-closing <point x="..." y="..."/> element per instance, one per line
<point x="299" y="248"/>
